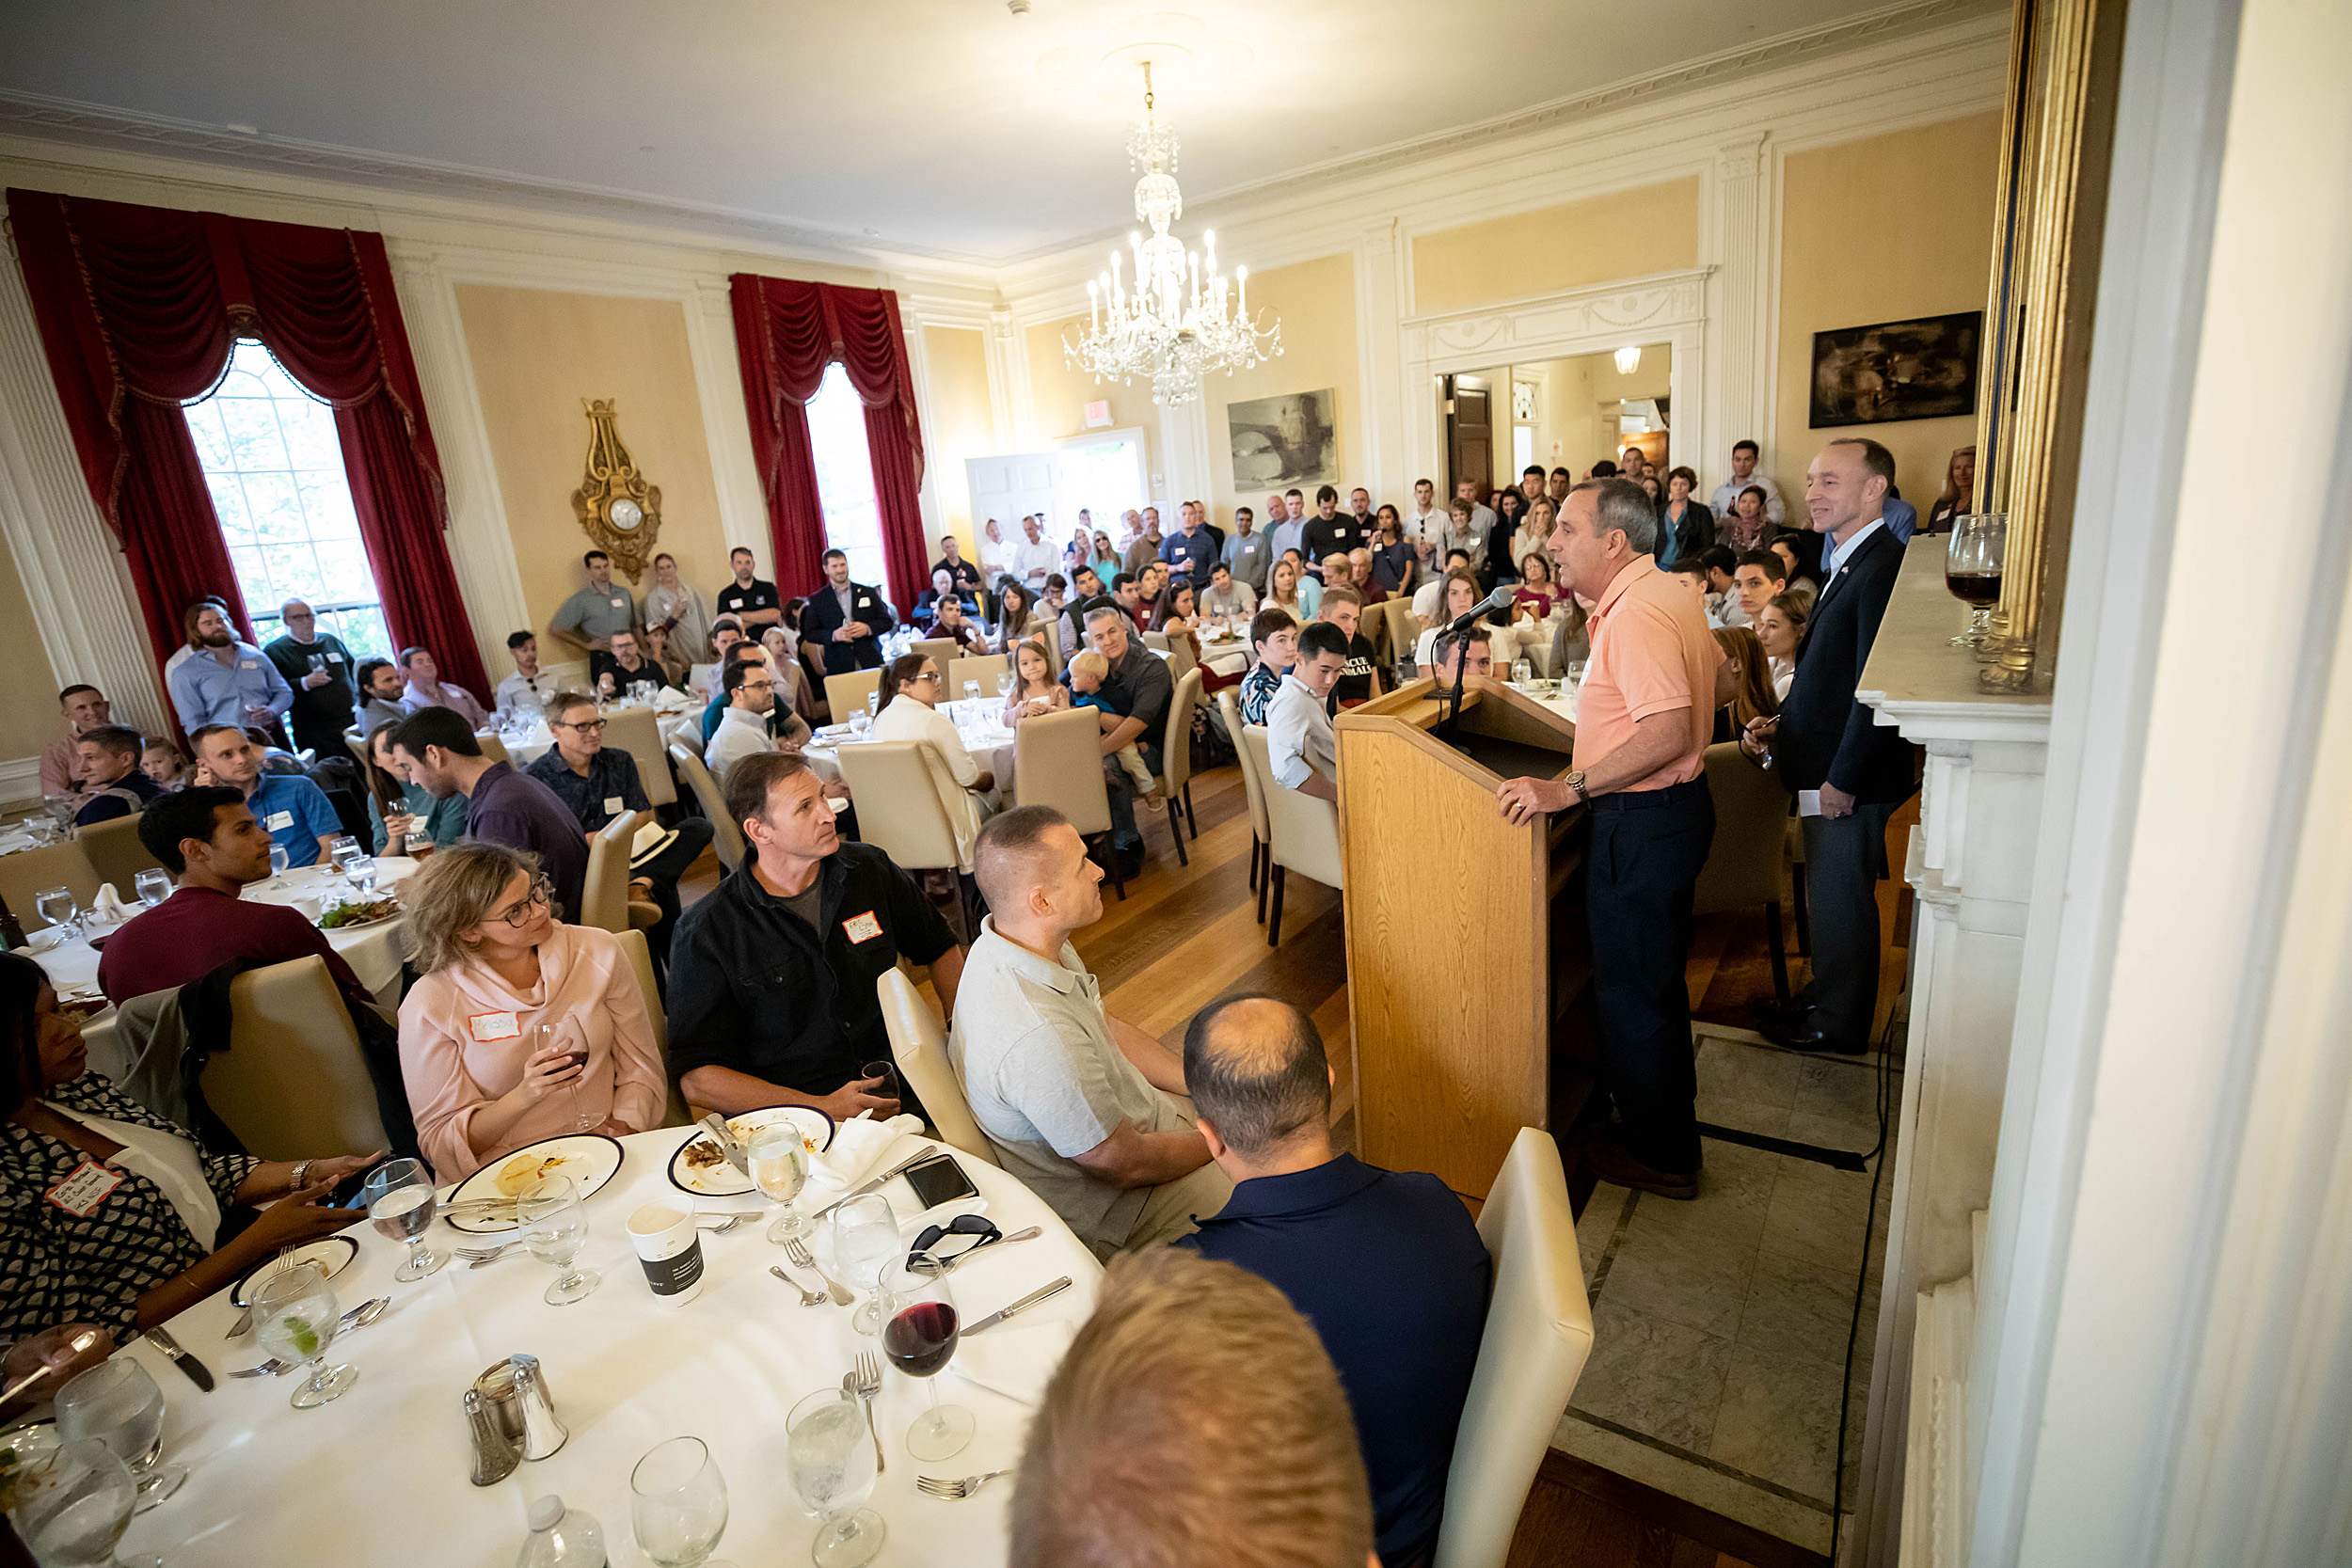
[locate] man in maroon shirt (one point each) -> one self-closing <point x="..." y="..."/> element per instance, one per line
<point x="209" y="838"/>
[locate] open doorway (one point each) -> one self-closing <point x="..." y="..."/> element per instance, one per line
<point x="1569" y="413"/>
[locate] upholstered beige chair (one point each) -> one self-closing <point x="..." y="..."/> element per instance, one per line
<point x="571" y="676"/>
<point x="945" y="650"/>
<point x="846" y="695"/>
<point x="640" y="954"/>
<point x="1156" y="640"/>
<point x="1057" y="762"/>
<point x="1744" y="864"/>
<point x="1254" y="788"/>
<point x="1302" y="830"/>
<point x="983" y="668"/>
<point x="919" y="1046"/>
<point x="492" y="747"/>
<point x="896" y="785"/>
<point x="291" y="1084"/>
<point x="1404" y="628"/>
<point x="604" y="900"/>
<point x="1180" y="660"/>
<point x="634" y="730"/>
<point x="115" y="853"/>
<point x="1174" y="786"/>
<point x="726" y="835"/>
<point x="1053" y="654"/>
<point x="1539" y="1330"/>
<point x="24" y="873"/>
<point x="358" y="741"/>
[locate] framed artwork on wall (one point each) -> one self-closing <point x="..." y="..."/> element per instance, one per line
<point x="1924" y="369"/>
<point x="1285" y="441"/>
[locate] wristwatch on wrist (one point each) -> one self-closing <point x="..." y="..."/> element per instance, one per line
<point x="1576" y="782"/>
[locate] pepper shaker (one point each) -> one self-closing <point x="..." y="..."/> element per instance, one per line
<point x="494" y="1457"/>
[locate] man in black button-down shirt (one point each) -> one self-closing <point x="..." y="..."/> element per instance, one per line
<point x="772" y="978"/>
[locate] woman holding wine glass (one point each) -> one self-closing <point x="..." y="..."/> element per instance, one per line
<point x="523" y="1027"/>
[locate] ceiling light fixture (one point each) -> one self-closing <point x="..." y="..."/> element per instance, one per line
<point x="1628" y="359"/>
<point x="1178" y="321"/>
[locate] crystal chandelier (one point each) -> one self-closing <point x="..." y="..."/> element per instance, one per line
<point x="1177" y="321"/>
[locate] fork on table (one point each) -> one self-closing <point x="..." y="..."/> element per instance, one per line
<point x="955" y="1490"/>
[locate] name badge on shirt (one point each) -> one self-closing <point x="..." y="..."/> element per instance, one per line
<point x="278" y="819"/>
<point x="617" y="603"/>
<point x="80" y="1194"/>
<point x="249" y="664"/>
<point x="334" y="658"/>
<point x="864" y="601"/>
<point x="861" y="927"/>
<point x="611" y="804"/>
<point x="487" y="1027"/>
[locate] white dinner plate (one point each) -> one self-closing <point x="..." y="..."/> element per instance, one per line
<point x="334" y="1253"/>
<point x="724" y="1181"/>
<point x="591" y="1159"/>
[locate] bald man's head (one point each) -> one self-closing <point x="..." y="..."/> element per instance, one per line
<point x="1257" y="1072"/>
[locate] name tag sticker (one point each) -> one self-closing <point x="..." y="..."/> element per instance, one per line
<point x="249" y="664"/>
<point x="487" y="1027"/>
<point x="334" y="658"/>
<point x="617" y="603"/>
<point x="861" y="927"/>
<point x="612" y="803"/>
<point x="864" y="602"/>
<point x="80" y="1194"/>
<point x="278" y="819"/>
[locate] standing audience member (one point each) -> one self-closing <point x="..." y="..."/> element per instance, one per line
<point x="588" y="619"/>
<point x="406" y="817"/>
<point x="1960" y="491"/>
<point x="291" y="808"/>
<point x="318" y="667"/>
<point x="112" y="784"/>
<point x="521" y="1027"/>
<point x="1249" y="552"/>
<point x="1078" y="1105"/>
<point x="1394" y="563"/>
<point x="1746" y="527"/>
<point x="966" y="576"/>
<point x="224" y="680"/>
<point x="438" y="750"/>
<point x="1328" y="532"/>
<point x="381" y="688"/>
<point x="996" y="554"/>
<point x="1300" y="750"/>
<point x="751" y="600"/>
<point x="1743" y="474"/>
<point x="675" y="610"/>
<point x="1274" y="636"/>
<point x="426" y="689"/>
<point x="1482" y="516"/>
<point x="1034" y="556"/>
<point x="1426" y="530"/>
<point x="772" y="974"/>
<point x="524" y="693"/>
<point x="847" y="619"/>
<point x="1463" y="533"/>
<point x="1643" y="715"/>
<point x="1190" y="549"/>
<point x="85" y="708"/>
<point x="1387" y="1267"/>
<point x="1286" y="527"/>
<point x="1686" y="525"/>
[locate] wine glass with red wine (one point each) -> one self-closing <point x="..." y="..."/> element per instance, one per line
<point x="1972" y="570"/>
<point x="920" y="1339"/>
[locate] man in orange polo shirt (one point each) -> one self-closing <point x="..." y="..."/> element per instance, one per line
<point x="1643" y="715"/>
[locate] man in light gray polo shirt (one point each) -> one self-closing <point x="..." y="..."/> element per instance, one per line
<point x="588" y="619"/>
<point x="1082" y="1107"/>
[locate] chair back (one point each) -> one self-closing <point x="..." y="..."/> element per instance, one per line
<point x="115" y="853"/>
<point x="358" y="741"/>
<point x="898" y="810"/>
<point x="1744" y="864"/>
<point x="945" y="650"/>
<point x="640" y="955"/>
<point x="571" y="676"/>
<point x="919" y="1046"/>
<point x="726" y="835"/>
<point x="1540" y="1329"/>
<point x="1254" y="787"/>
<point x="846" y="694"/>
<point x="1404" y="627"/>
<point x="1180" y="660"/>
<point x="292" y="1081"/>
<point x="1176" y="743"/>
<point x="636" y="731"/>
<point x="492" y="747"/>
<point x="1052" y="636"/>
<point x="604" y="892"/>
<point x="1157" y="640"/>
<point x="983" y="668"/>
<point x="24" y="873"/>
<point x="1057" y="762"/>
<point x="1302" y="830"/>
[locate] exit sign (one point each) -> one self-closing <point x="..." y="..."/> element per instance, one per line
<point x="1099" y="415"/>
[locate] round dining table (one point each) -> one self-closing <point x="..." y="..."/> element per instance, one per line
<point x="382" y="1475"/>
<point x="975" y="719"/>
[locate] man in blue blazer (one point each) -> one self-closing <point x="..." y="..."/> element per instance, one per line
<point x="1825" y="740"/>
<point x="847" y="618"/>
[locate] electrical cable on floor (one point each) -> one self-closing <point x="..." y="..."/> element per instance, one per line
<point x="1862" y="1281"/>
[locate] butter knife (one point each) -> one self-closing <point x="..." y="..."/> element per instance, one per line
<point x="1041" y="1294"/>
<point x="716" y="1125"/>
<point x="960" y="1259"/>
<point x="879" y="1183"/>
<point x="196" y="1370"/>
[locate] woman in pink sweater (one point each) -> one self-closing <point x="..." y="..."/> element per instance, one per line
<point x="523" y="1028"/>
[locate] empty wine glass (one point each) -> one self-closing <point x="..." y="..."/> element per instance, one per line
<point x="58" y="906"/>
<point x="42" y="831"/>
<point x="972" y="692"/>
<point x="295" y="1318"/>
<point x="555" y="1226"/>
<point x="920" y="1339"/>
<point x="117" y="1404"/>
<point x="278" y="862"/>
<point x="1004" y="683"/>
<point x="74" y="1506"/>
<point x="864" y="1240"/>
<point x="399" y="1197"/>
<point x="152" y="885"/>
<point x="779" y="1161"/>
<point x="831" y="1466"/>
<point x="873" y="704"/>
<point x="1522" y="672"/>
<point x="679" y="1503"/>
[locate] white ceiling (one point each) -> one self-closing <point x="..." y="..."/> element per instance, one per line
<point x="941" y="127"/>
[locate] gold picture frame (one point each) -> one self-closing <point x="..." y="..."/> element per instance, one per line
<point x="617" y="509"/>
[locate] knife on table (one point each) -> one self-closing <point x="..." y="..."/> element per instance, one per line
<point x="1042" y="1293"/>
<point x="729" y="1144"/>
<point x="196" y="1370"/>
<point x="878" y="1183"/>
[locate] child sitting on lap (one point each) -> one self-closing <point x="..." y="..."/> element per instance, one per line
<point x="1085" y="690"/>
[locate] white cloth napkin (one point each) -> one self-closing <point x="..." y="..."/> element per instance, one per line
<point x="1014" y="1359"/>
<point x="857" y="1145"/>
<point x="107" y="908"/>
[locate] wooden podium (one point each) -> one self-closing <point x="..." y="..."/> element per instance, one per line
<point x="1466" y="949"/>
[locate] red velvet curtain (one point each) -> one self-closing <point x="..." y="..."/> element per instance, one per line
<point x="138" y="309"/>
<point x="786" y="333"/>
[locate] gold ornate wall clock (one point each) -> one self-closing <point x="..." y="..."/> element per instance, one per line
<point x="617" y="508"/>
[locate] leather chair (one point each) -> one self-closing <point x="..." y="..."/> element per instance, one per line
<point x="983" y="668"/>
<point x="24" y="873"/>
<point x="115" y="853"/>
<point x="634" y="730"/>
<point x="898" y="809"/>
<point x="726" y="835"/>
<point x="1057" y="762"/>
<point x="604" y="900"/>
<point x="640" y="955"/>
<point x="1539" y="1330"/>
<point x="1254" y="788"/>
<point x="1744" y="864"/>
<point x="1174" y="786"/>
<point x="919" y="1046"/>
<point x="846" y="694"/>
<point x="492" y="747"/>
<point x="291" y="1084"/>
<point x="1302" y="830"/>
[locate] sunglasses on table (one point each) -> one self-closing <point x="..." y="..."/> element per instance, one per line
<point x="959" y="1237"/>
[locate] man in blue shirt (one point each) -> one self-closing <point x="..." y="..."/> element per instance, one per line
<point x="294" y="811"/>
<point x="223" y="680"/>
<point x="1387" y="1267"/>
<point x="1190" y="547"/>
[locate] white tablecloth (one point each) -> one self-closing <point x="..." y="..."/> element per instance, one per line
<point x="990" y="743"/>
<point x="269" y="1484"/>
<point x="522" y="751"/>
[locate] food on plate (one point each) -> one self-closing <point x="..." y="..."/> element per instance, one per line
<point x="702" y="1154"/>
<point x="358" y="913"/>
<point x="524" y="1172"/>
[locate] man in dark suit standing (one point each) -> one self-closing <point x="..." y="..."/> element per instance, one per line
<point x="848" y="618"/>
<point x="1825" y="740"/>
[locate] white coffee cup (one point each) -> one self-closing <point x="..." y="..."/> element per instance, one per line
<point x="312" y="906"/>
<point x="670" y="1249"/>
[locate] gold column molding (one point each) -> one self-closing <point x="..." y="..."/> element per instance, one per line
<point x="618" y="510"/>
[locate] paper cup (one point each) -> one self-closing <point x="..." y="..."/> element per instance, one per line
<point x="312" y="906"/>
<point x="670" y="1249"/>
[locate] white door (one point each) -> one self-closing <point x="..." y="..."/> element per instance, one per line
<point x="1009" y="488"/>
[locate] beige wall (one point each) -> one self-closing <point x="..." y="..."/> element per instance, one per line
<point x="1880" y="230"/>
<point x="961" y="424"/>
<point x="1059" y="395"/>
<point x="1630" y="234"/>
<point x="1315" y="302"/>
<point x="536" y="354"/>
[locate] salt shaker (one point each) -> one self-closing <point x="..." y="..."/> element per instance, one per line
<point x="543" y="1434"/>
<point x="494" y="1457"/>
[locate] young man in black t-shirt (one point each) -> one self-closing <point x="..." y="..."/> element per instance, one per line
<point x="747" y="599"/>
<point x="1359" y="678"/>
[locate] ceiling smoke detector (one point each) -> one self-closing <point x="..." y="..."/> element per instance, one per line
<point x="1018" y="7"/>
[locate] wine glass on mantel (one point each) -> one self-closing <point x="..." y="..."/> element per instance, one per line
<point x="1972" y="570"/>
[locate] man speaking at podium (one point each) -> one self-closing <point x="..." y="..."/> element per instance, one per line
<point x="1643" y="716"/>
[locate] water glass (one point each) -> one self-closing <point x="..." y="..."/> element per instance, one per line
<point x="677" y="1503"/>
<point x="873" y="704"/>
<point x="58" y="906"/>
<point x="864" y="1240"/>
<point x="278" y="862"/>
<point x="359" y="871"/>
<point x="152" y="885"/>
<point x="972" y="692"/>
<point x="555" y="1226"/>
<point x="117" y="1404"/>
<point x="920" y="1340"/>
<point x="1004" y="683"/>
<point x="295" y="1317"/>
<point x="1522" y="672"/>
<point x="779" y="1162"/>
<point x="73" y="1507"/>
<point x="399" y="1197"/>
<point x="42" y="831"/>
<point x="831" y="1466"/>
